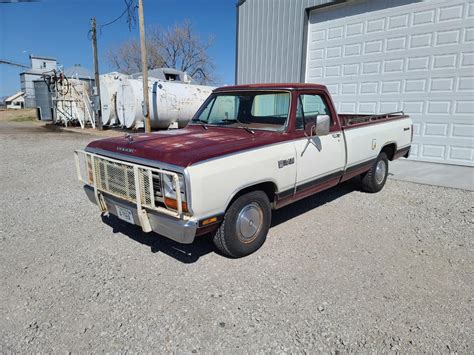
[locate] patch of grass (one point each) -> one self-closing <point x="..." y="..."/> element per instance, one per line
<point x="23" y="119"/>
<point x="24" y="115"/>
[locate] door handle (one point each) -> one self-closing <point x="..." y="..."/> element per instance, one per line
<point x="336" y="135"/>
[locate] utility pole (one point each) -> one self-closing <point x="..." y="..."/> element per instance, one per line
<point x="96" y="71"/>
<point x="146" y="103"/>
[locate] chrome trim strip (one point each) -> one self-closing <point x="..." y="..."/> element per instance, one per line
<point x="180" y="230"/>
<point x="136" y="160"/>
<point x="319" y="176"/>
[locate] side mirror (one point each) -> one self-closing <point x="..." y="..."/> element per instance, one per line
<point x="323" y="123"/>
<point x="318" y="125"/>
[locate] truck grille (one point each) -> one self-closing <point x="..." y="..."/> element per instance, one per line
<point x="119" y="180"/>
<point x="127" y="180"/>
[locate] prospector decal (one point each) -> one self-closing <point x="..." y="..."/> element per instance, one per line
<point x="285" y="162"/>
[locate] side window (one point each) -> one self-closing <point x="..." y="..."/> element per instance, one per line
<point x="310" y="106"/>
<point x="275" y="105"/>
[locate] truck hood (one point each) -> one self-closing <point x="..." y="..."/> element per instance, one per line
<point x="187" y="146"/>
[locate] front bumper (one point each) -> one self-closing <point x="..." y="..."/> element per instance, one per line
<point x="180" y="230"/>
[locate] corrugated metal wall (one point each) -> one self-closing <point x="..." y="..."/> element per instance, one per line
<point x="270" y="40"/>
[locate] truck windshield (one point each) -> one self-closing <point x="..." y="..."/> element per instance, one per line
<point x="249" y="110"/>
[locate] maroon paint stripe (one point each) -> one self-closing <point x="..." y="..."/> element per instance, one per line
<point x="316" y="186"/>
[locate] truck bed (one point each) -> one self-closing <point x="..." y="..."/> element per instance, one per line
<point x="356" y="120"/>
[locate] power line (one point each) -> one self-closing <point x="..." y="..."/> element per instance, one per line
<point x="129" y="10"/>
<point x="9" y="62"/>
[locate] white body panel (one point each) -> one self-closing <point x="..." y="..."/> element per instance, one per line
<point x="215" y="182"/>
<point x="365" y="143"/>
<point x="418" y="58"/>
<point x="323" y="156"/>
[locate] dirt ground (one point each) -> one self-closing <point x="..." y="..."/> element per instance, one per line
<point x="343" y="271"/>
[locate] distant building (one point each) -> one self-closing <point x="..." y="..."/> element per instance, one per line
<point x="43" y="97"/>
<point x="79" y="72"/>
<point x="16" y="101"/>
<point x="39" y="65"/>
<point x="83" y="74"/>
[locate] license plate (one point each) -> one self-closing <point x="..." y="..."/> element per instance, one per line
<point x="125" y="214"/>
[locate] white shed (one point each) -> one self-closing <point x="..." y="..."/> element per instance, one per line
<point x="16" y="101"/>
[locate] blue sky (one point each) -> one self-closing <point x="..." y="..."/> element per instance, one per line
<point x="58" y="28"/>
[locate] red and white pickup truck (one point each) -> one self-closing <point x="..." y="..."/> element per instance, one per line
<point x="248" y="150"/>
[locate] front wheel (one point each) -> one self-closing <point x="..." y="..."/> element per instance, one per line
<point x="245" y="225"/>
<point x="374" y="180"/>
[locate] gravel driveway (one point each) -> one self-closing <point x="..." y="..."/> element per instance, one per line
<point x="340" y="271"/>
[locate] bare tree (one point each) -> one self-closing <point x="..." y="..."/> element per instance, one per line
<point x="125" y="58"/>
<point x="178" y="47"/>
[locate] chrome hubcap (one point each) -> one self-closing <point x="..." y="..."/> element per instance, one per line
<point x="380" y="171"/>
<point x="249" y="222"/>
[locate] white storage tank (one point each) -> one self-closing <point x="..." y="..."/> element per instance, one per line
<point x="169" y="102"/>
<point x="129" y="103"/>
<point x="175" y="102"/>
<point x="109" y="85"/>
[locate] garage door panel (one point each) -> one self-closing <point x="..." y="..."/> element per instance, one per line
<point x="418" y="58"/>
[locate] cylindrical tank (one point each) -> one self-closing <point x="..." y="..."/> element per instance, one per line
<point x="129" y="102"/>
<point x="109" y="85"/>
<point x="175" y="102"/>
<point x="169" y="102"/>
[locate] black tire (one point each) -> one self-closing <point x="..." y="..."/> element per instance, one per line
<point x="373" y="180"/>
<point x="234" y="237"/>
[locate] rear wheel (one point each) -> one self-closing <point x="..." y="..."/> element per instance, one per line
<point x="374" y="180"/>
<point x="245" y="225"/>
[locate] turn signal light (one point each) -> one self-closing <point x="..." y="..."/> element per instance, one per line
<point x="173" y="204"/>
<point x="209" y="221"/>
<point x="90" y="174"/>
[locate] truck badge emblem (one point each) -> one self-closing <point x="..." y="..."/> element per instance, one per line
<point x="129" y="137"/>
<point x="127" y="150"/>
<point x="285" y="162"/>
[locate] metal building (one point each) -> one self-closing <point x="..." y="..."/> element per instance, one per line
<point x="374" y="56"/>
<point x="39" y="65"/>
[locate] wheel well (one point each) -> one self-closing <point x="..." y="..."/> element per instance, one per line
<point x="390" y="150"/>
<point x="268" y="187"/>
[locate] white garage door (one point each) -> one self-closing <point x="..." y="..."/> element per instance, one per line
<point x="418" y="58"/>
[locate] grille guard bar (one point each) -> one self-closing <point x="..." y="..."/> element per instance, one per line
<point x="142" y="193"/>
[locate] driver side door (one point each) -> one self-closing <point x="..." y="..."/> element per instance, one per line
<point x="320" y="159"/>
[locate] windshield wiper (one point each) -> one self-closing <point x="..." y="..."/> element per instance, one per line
<point x="202" y="122"/>
<point x="238" y="121"/>
<point x="248" y="129"/>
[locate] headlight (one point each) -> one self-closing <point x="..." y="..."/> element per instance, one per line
<point x="169" y="190"/>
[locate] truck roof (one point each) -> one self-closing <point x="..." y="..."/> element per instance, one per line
<point x="273" y="86"/>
